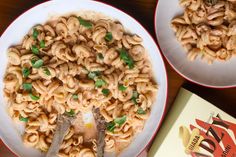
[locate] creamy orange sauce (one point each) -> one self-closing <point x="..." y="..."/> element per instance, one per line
<point x="121" y="146"/>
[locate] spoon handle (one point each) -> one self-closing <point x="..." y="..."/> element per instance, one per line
<point x="101" y="127"/>
<point x="63" y="124"/>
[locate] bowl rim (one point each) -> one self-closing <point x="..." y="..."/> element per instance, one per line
<point x="175" y="69"/>
<point x="145" y="147"/>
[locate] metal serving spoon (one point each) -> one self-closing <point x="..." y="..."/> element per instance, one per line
<point x="101" y="128"/>
<point x="63" y="124"/>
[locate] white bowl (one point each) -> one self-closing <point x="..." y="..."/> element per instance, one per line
<point x="217" y="75"/>
<point x="11" y="134"/>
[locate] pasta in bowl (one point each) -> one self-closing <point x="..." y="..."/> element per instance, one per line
<point x="195" y="33"/>
<point x="207" y="28"/>
<point x="69" y="65"/>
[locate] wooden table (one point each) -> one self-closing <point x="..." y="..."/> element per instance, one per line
<point x="143" y="11"/>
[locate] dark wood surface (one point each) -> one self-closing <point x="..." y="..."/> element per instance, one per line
<point x="143" y="11"/>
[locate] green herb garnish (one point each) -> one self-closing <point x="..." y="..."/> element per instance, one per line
<point x="27" y="86"/>
<point x="100" y="56"/>
<point x="75" y="96"/>
<point x="93" y="74"/>
<point x="135" y="97"/>
<point x="25" y="72"/>
<point x="42" y="44"/>
<point x="120" y="120"/>
<point x="71" y="113"/>
<point x="35" y="49"/>
<point x="105" y="92"/>
<point x="108" y="36"/>
<point x="37" y="64"/>
<point x="85" y="23"/>
<point x="33" y="60"/>
<point x="122" y="88"/>
<point x="35" y="33"/>
<point x="141" y="111"/>
<point x="23" y="119"/>
<point x="111" y="126"/>
<point x="33" y="97"/>
<point x="46" y="71"/>
<point x="99" y="83"/>
<point x="126" y="58"/>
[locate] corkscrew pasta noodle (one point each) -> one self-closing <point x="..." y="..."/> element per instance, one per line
<point x="207" y="29"/>
<point x="72" y="64"/>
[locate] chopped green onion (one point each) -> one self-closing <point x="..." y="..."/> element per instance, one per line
<point x="105" y="92"/>
<point x="37" y="64"/>
<point x="108" y="36"/>
<point x="35" y="49"/>
<point x="27" y="86"/>
<point x="120" y="120"/>
<point x="33" y="60"/>
<point x="75" y="96"/>
<point x="23" y="119"/>
<point x="134" y="97"/>
<point x="71" y="113"/>
<point x="122" y="88"/>
<point x="35" y="33"/>
<point x="25" y="72"/>
<point x="99" y="83"/>
<point x="111" y="126"/>
<point x="93" y="74"/>
<point x="42" y="44"/>
<point x="141" y="111"/>
<point x="46" y="71"/>
<point x="33" y="97"/>
<point x="85" y="23"/>
<point x="100" y="56"/>
<point x="126" y="58"/>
